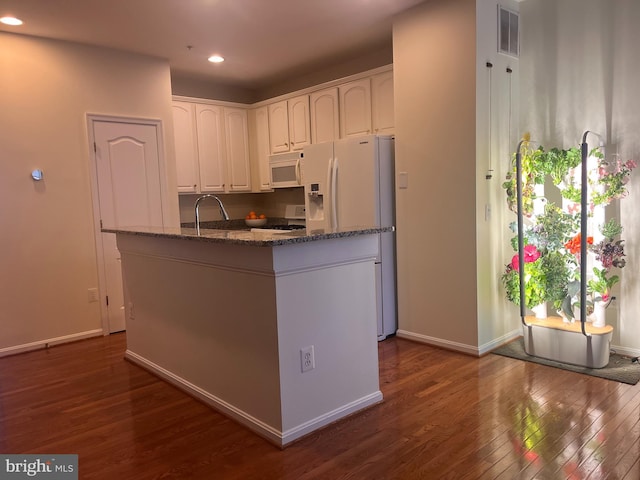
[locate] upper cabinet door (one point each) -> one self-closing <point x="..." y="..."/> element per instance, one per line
<point x="237" y="143"/>
<point x="325" y="118"/>
<point x="382" y="103"/>
<point x="184" y="130"/>
<point x="262" y="149"/>
<point x="211" y="147"/>
<point x="355" y="108"/>
<point x="279" y="127"/>
<point x="299" y="125"/>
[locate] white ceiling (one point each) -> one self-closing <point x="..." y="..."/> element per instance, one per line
<point x="260" y="39"/>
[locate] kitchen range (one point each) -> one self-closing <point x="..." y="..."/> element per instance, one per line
<point x="294" y="219"/>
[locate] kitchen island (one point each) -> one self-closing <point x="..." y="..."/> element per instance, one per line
<point x="276" y="330"/>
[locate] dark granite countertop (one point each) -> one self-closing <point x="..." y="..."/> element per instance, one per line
<point x="240" y="234"/>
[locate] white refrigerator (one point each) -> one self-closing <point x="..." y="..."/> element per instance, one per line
<point x="350" y="183"/>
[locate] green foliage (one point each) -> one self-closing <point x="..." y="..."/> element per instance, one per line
<point x="558" y="163"/>
<point x="601" y="284"/>
<point x="553" y="228"/>
<point x="545" y="281"/>
<point x="611" y="229"/>
<point x="552" y="274"/>
<point x="535" y="289"/>
<point x="557" y="273"/>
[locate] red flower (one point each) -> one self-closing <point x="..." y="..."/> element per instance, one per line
<point x="531" y="254"/>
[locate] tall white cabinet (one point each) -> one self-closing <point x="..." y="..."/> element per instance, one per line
<point x="187" y="166"/>
<point x="238" y="175"/>
<point x="212" y="148"/>
<point x="259" y="147"/>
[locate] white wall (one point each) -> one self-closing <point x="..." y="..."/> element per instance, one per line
<point x="497" y="135"/>
<point x="47" y="245"/>
<point x="435" y="111"/>
<point x="579" y="71"/>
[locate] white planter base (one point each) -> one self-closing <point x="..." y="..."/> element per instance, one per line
<point x="555" y="340"/>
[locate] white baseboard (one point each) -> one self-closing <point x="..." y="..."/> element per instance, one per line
<point x="439" y="342"/>
<point x="460" y="347"/>
<point x="626" y="351"/>
<point x="270" y="433"/>
<point x="330" y="417"/>
<point x="506" y="338"/>
<point x="49" y="342"/>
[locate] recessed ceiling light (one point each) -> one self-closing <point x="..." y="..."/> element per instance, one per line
<point x="216" y="59"/>
<point x="13" y="21"/>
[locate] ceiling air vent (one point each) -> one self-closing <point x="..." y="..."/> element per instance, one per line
<point x="508" y="32"/>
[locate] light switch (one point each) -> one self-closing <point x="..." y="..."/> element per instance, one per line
<point x="403" y="180"/>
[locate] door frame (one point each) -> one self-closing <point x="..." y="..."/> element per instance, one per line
<point x="97" y="229"/>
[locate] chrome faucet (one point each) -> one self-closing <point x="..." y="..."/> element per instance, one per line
<point x="224" y="213"/>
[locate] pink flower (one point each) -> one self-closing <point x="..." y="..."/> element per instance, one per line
<point x="531" y="254"/>
<point x="605" y="297"/>
<point x="573" y="207"/>
<point x="631" y="164"/>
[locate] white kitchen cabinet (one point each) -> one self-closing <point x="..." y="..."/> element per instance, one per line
<point x="259" y="138"/>
<point x="382" y="103"/>
<point x="211" y="147"/>
<point x="355" y="108"/>
<point x="299" y="122"/>
<point x="289" y="124"/>
<point x="278" y="127"/>
<point x="325" y="116"/>
<point x="238" y="172"/>
<point x="188" y="176"/>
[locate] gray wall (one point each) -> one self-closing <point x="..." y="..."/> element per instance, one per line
<point x="579" y="71"/>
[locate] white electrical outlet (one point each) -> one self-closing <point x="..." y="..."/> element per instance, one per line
<point x="307" y="358"/>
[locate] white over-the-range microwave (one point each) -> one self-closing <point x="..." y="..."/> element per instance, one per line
<point x="284" y="170"/>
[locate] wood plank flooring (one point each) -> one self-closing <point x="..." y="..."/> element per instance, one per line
<point x="444" y="416"/>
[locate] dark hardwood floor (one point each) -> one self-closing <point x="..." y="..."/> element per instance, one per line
<point x="444" y="416"/>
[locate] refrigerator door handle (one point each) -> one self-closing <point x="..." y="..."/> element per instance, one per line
<point x="334" y="194"/>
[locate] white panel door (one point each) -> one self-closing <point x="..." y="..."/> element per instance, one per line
<point x="128" y="177"/>
<point x="211" y="149"/>
<point x="325" y="118"/>
<point x="278" y="127"/>
<point x="382" y="112"/>
<point x="355" y="108"/>
<point x="237" y="149"/>
<point x="299" y="122"/>
<point x="262" y="147"/>
<point x="184" y="129"/>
